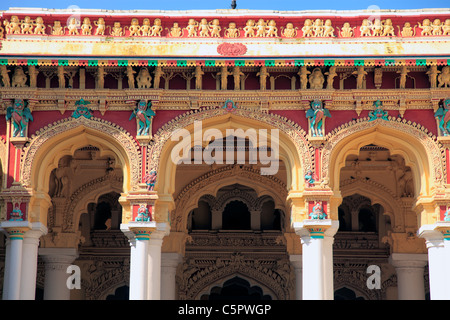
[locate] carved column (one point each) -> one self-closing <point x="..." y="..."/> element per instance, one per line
<point x="15" y="231"/>
<point x="255" y="220"/>
<point x="317" y="257"/>
<point x="57" y="260"/>
<point x="29" y="261"/>
<point x="437" y="237"/>
<point x="154" y="266"/>
<point x="410" y="271"/>
<point x="296" y="261"/>
<point x="169" y="265"/>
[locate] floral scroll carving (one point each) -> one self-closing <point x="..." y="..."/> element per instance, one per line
<point x="231" y="49"/>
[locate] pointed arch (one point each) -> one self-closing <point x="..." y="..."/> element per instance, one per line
<point x="414" y="143"/>
<point x="295" y="149"/>
<point x="61" y="138"/>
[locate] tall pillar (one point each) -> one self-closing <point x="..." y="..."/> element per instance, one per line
<point x="15" y="231"/>
<point x="410" y="275"/>
<point x="30" y="260"/>
<point x="138" y="266"/>
<point x="57" y="260"/>
<point x="154" y="267"/>
<point x="317" y="257"/>
<point x="438" y="245"/>
<point x="145" y="264"/>
<point x="169" y="265"/>
<point x="296" y="261"/>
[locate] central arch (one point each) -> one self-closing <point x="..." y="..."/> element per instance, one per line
<point x="294" y="148"/>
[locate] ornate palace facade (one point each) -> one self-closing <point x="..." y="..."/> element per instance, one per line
<point x="95" y="186"/>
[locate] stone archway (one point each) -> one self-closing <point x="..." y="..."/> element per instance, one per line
<point x="295" y="149"/>
<point x="419" y="149"/>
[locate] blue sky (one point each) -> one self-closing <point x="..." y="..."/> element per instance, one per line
<point x="225" y="4"/>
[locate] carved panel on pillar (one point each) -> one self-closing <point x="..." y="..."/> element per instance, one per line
<point x="16" y="202"/>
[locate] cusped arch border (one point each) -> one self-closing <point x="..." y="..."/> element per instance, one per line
<point x="377" y="194"/>
<point x="277" y="279"/>
<point x="92" y="189"/>
<point x="120" y="135"/>
<point x="435" y="151"/>
<point x="179" y="214"/>
<point x="290" y="128"/>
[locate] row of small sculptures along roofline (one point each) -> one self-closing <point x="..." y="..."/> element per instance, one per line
<point x="315" y="78"/>
<point x="254" y="28"/>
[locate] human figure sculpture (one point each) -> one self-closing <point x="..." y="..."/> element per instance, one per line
<point x="130" y="74"/>
<point x="347" y="30"/>
<point x="289" y="31"/>
<point x="378" y="112"/>
<point x="214" y="27"/>
<point x="57" y="28"/>
<point x="5" y="76"/>
<point x="145" y="28"/>
<point x="317" y="211"/>
<point x="426" y="27"/>
<point x="20" y="115"/>
<point x="156" y="29"/>
<point x="331" y="74"/>
<point x="198" y="77"/>
<point x="150" y="180"/>
<point x="237" y="74"/>
<point x="432" y="75"/>
<point x="308" y="28"/>
<point x="19" y="79"/>
<point x="232" y="31"/>
<point x="444" y="77"/>
<point x="360" y="77"/>
<point x="224" y="73"/>
<point x="403" y="74"/>
<point x="446" y="28"/>
<point x="86" y="27"/>
<point x="443" y="116"/>
<point x="144" y="113"/>
<point x="309" y="179"/>
<point x="447" y="215"/>
<point x="303" y="73"/>
<point x="407" y="30"/>
<point x="135" y="29"/>
<point x="26" y="27"/>
<point x="249" y="29"/>
<point x="142" y="214"/>
<point x="144" y="79"/>
<point x="101" y="27"/>
<point x="158" y="73"/>
<point x="262" y="74"/>
<point x="316" y="115"/>
<point x="39" y="26"/>
<point x="316" y="79"/>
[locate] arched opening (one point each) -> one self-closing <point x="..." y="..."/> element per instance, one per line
<point x="121" y="293"/>
<point x="346" y="294"/>
<point x="236" y="289"/>
<point x="236" y="216"/>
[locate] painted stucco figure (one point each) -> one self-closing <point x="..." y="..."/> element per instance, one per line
<point x="317" y="211"/>
<point x="20" y="115"/>
<point x="150" y="180"/>
<point x="144" y="113"/>
<point x="378" y="113"/>
<point x="142" y="214"/>
<point x="316" y="115"/>
<point x="443" y="117"/>
<point x="310" y="179"/>
<point x="82" y="110"/>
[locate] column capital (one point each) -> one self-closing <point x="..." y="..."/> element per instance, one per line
<point x="15" y="229"/>
<point x="408" y="260"/>
<point x="435" y="233"/>
<point x="316" y="228"/>
<point x="146" y="230"/>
